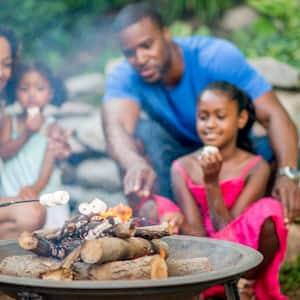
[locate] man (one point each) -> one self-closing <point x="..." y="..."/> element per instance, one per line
<point x="164" y="78"/>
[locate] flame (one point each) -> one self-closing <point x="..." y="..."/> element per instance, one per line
<point x="162" y="253"/>
<point x="123" y="212"/>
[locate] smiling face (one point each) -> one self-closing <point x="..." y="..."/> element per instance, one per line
<point x="6" y="62"/>
<point x="147" y="49"/>
<point x="218" y="119"/>
<point x="34" y="90"/>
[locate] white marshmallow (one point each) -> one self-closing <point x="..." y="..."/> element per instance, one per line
<point x="98" y="206"/>
<point x="61" y="197"/>
<point x="209" y="149"/>
<point x="32" y="111"/>
<point x="56" y="198"/>
<point x="85" y="208"/>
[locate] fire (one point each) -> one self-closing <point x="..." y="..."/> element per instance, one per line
<point x="162" y="253"/>
<point x="123" y="212"/>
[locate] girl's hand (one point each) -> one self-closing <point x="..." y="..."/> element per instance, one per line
<point x="29" y="192"/>
<point x="211" y="163"/>
<point x="58" y="142"/>
<point x="34" y="123"/>
<point x="174" y="219"/>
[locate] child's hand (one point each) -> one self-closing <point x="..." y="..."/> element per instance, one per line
<point x="58" y="141"/>
<point x="211" y="163"/>
<point x="34" y="123"/>
<point x="29" y="192"/>
<point x="174" y="219"/>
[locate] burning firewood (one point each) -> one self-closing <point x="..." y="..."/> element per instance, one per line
<point x="64" y="272"/>
<point x="105" y="244"/>
<point x="40" y="246"/>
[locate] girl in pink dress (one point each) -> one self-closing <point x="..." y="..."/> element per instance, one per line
<point x="220" y="190"/>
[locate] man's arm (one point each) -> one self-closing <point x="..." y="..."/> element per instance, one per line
<point x="120" y="117"/>
<point x="284" y="141"/>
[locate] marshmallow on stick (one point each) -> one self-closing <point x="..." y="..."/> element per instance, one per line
<point x="56" y="198"/>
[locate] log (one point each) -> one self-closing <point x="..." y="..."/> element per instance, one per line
<point x="64" y="272"/>
<point x="112" y="249"/>
<point x="40" y="246"/>
<point x="146" y="267"/>
<point x="27" y="265"/>
<point x="123" y="230"/>
<point x="153" y="232"/>
<point x="188" y="266"/>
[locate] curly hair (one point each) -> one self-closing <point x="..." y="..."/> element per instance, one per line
<point x="56" y="84"/>
<point x="244" y="102"/>
<point x="15" y="47"/>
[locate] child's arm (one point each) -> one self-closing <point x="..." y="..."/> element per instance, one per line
<point x="55" y="151"/>
<point x="8" y="146"/>
<point x="33" y="191"/>
<point x="211" y="164"/>
<point x="254" y="189"/>
<point x="192" y="223"/>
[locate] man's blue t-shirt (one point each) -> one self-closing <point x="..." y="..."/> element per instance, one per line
<point x="206" y="59"/>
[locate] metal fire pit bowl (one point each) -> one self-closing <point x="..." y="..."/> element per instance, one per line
<point x="229" y="261"/>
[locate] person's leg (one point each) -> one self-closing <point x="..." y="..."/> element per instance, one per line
<point x="161" y="148"/>
<point x="268" y="247"/>
<point x="21" y="217"/>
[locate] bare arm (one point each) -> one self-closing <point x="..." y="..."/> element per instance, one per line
<point x="254" y="188"/>
<point x="8" y="146"/>
<point x="284" y="140"/>
<point x="192" y="223"/>
<point x="281" y="130"/>
<point x="120" y="117"/>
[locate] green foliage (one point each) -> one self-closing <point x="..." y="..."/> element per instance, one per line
<point x="205" y="10"/>
<point x="276" y="33"/>
<point x="290" y="277"/>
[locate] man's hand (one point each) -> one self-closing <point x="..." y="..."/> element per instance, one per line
<point x="139" y="180"/>
<point x="287" y="190"/>
<point x="174" y="219"/>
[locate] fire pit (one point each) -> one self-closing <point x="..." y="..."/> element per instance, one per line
<point x="229" y="261"/>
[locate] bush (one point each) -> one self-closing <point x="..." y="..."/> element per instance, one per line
<point x="276" y="33"/>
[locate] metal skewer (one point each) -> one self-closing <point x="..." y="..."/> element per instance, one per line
<point x="9" y="203"/>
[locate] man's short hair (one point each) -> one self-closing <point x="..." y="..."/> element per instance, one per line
<point x="133" y="13"/>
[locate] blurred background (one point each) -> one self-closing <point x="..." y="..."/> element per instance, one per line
<point x="74" y="37"/>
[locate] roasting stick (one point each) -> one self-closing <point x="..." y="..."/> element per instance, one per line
<point x="48" y="200"/>
<point x="12" y="202"/>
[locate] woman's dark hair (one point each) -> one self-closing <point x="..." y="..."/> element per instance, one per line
<point x="56" y="84"/>
<point x="11" y="38"/>
<point x="133" y="13"/>
<point x="244" y="103"/>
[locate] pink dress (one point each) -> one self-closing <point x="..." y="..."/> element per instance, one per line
<point x="246" y="228"/>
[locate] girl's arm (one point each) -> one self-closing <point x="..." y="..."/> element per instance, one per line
<point x="211" y="164"/>
<point x="8" y="146"/>
<point x="55" y="151"/>
<point x="192" y="223"/>
<point x="254" y="189"/>
<point x="33" y="191"/>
